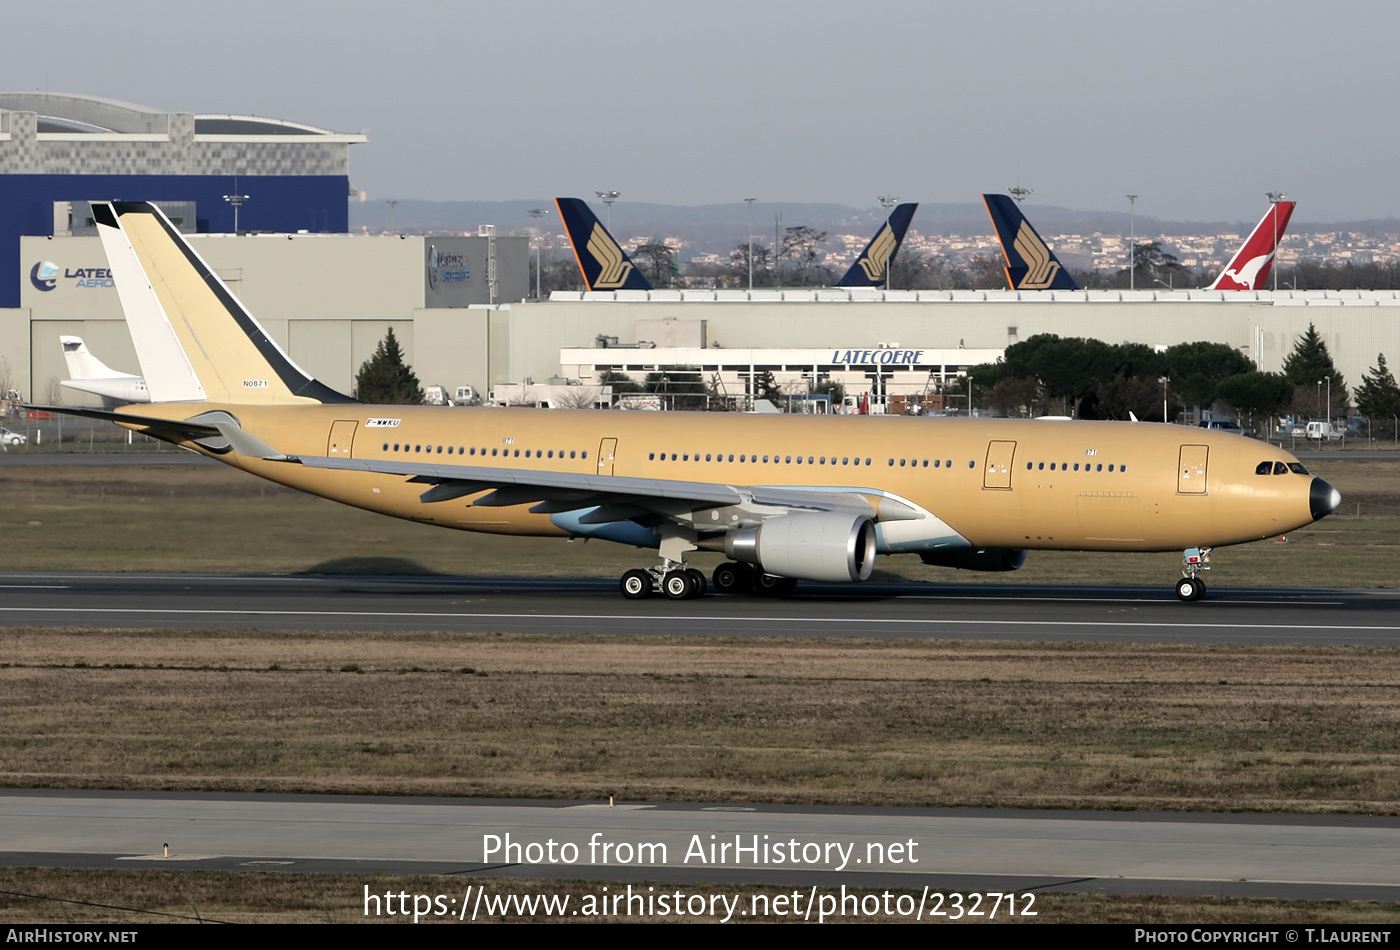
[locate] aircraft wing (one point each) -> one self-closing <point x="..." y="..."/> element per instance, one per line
<point x="615" y="495"/>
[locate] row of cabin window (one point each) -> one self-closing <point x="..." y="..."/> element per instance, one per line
<point x="789" y="459"/>
<point x="459" y="450"/>
<point x="1279" y="468"/>
<point x="1065" y="467"/>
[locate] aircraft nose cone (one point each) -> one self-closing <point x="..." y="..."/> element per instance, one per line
<point x="1323" y="498"/>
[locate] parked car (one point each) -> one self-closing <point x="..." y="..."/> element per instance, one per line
<point x="11" y="437"/>
<point x="1223" y="425"/>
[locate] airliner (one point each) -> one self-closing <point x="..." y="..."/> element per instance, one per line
<point x="1031" y="265"/>
<point x="91" y="375"/>
<point x="872" y="267"/>
<point x="606" y="266"/>
<point x="1249" y="268"/>
<point x="785" y="498"/>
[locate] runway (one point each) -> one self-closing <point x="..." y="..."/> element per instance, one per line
<point x="1318" y="857"/>
<point x="525" y="605"/>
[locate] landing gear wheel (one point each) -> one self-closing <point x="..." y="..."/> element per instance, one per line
<point x="1190" y="589"/>
<point x="678" y="585"/>
<point x="771" y="585"/>
<point x="731" y="577"/>
<point x="699" y="577"/>
<point x="636" y="585"/>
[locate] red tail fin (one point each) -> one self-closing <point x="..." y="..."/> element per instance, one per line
<point x="1249" y="269"/>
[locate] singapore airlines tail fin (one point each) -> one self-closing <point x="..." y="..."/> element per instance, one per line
<point x="1030" y="264"/>
<point x="603" y="262"/>
<point x="872" y="268"/>
<point x="196" y="342"/>
<point x="1249" y="268"/>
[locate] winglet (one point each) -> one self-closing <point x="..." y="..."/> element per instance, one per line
<point x="872" y="267"/>
<point x="601" y="260"/>
<point x="1030" y="264"/>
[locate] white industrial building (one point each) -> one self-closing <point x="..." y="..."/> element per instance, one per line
<point x="328" y="300"/>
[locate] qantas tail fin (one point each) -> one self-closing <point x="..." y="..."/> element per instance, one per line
<point x="196" y="342"/>
<point x="1030" y="264"/>
<point x="1249" y="268"/>
<point x="872" y="268"/>
<point x="603" y="262"/>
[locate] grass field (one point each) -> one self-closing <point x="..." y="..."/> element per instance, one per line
<point x="848" y="722"/>
<point x="221" y="520"/>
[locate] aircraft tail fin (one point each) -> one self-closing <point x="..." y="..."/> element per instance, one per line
<point x="1249" y="268"/>
<point x="1030" y="264"/>
<point x="601" y="260"/>
<point x="83" y="365"/>
<point x="195" y="341"/>
<point x="872" y="267"/>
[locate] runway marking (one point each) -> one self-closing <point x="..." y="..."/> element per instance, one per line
<point x="35" y="586"/>
<point x="926" y="621"/>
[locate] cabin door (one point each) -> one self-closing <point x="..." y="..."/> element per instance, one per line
<point x="997" y="474"/>
<point x="1191" y="472"/>
<point x="342" y="439"/>
<point x="607" y="455"/>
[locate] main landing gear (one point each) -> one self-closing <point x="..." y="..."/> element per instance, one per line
<point x="678" y="582"/>
<point x="1191" y="588"/>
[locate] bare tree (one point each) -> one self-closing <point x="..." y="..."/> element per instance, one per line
<point x="658" y="261"/>
<point x="802" y="246"/>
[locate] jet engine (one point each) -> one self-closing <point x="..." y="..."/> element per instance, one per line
<point x="829" y="546"/>
<point x="977" y="559"/>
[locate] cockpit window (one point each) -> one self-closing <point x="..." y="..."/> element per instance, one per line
<point x="1297" y="468"/>
<point x="1280" y="468"/>
<point x="1263" y="468"/>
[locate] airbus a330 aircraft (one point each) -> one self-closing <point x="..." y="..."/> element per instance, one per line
<point x="787" y="498"/>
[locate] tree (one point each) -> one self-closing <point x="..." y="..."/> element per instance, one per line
<point x="802" y="246"/>
<point x="762" y="265"/>
<point x="1310" y="365"/>
<point x="1378" y="396"/>
<point x="680" y="387"/>
<point x="1256" y="394"/>
<point x="657" y="261"/>
<point x="621" y="383"/>
<point x="385" y="378"/>
<point x="1197" y="369"/>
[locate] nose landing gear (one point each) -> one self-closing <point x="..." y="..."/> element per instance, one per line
<point x="1191" y="588"/>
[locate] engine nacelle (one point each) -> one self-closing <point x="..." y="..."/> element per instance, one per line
<point x="827" y="546"/>
<point x="977" y="559"/>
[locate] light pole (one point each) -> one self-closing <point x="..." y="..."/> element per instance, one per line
<point x="1132" y="243"/>
<point x="538" y="213"/>
<point x="608" y="198"/>
<point x="237" y="202"/>
<point x="887" y="202"/>
<point x="1019" y="194"/>
<point x="749" y="202"/>
<point x="1319" y="396"/>
<point x="1164" y="380"/>
<point x="393" y="204"/>
<point x="1274" y="198"/>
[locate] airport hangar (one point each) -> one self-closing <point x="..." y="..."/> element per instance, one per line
<point x="456" y="302"/>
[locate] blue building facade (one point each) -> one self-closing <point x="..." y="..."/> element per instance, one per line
<point x="57" y="149"/>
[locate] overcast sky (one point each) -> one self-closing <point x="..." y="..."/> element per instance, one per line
<point x="1198" y="107"/>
